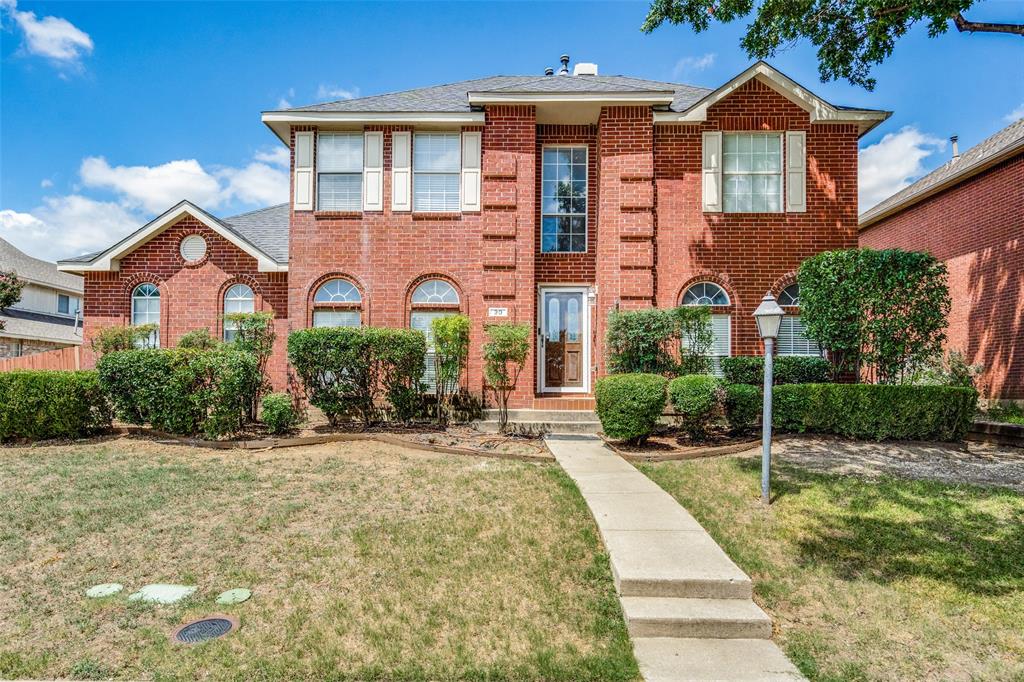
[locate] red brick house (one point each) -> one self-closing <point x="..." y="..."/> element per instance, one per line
<point x="970" y="214"/>
<point x="549" y="200"/>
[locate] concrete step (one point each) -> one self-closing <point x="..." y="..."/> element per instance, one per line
<point x="538" y="428"/>
<point x="707" y="618"/>
<point x="671" y="659"/>
<point x="673" y="563"/>
<point x="528" y="415"/>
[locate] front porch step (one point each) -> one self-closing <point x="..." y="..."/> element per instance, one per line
<point x="528" y="422"/>
<point x="705" y="618"/>
<point x="671" y="659"/>
<point x="528" y="415"/>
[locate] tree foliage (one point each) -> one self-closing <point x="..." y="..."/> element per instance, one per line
<point x="254" y="333"/>
<point x="451" y="351"/>
<point x="851" y="37"/>
<point x="880" y="311"/>
<point x="504" y="357"/>
<point x="10" y="290"/>
<point x="112" y="339"/>
<point x="662" y="341"/>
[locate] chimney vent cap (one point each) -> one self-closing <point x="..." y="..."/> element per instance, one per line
<point x="584" y="69"/>
<point x="564" y="71"/>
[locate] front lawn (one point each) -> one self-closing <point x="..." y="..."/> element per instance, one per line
<point x="883" y="579"/>
<point x="366" y="561"/>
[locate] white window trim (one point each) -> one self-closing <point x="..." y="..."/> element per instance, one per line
<point x="412" y="165"/>
<point x="586" y="213"/>
<point x="781" y="172"/>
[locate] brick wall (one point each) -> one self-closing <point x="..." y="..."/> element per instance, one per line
<point x="977" y="228"/>
<point x="191" y="295"/>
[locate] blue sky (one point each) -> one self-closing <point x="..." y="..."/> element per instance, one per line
<point x="112" y="111"/>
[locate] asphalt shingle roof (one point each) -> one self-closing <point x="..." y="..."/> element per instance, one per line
<point x="453" y="97"/>
<point x="265" y="228"/>
<point x="37" y="270"/>
<point x="1010" y="137"/>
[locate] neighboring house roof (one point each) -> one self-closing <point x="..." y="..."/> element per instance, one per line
<point x="263" y="234"/>
<point x="23" y="324"/>
<point x="1002" y="145"/>
<point x="37" y="271"/>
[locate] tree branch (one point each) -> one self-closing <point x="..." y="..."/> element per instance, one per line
<point x="985" y="27"/>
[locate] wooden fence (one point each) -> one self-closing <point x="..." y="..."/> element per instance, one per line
<point x="67" y="358"/>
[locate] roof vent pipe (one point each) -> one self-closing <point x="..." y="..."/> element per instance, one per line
<point x="549" y="71"/>
<point x="956" y="147"/>
<point x="564" y="71"/>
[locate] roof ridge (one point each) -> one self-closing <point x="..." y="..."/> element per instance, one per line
<point x="403" y="92"/>
<point x="255" y="210"/>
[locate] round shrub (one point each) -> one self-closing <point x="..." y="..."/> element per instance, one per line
<point x="698" y="398"/>
<point x="629" y="405"/>
<point x="742" y="407"/>
<point x="37" y="404"/>
<point x="278" y="413"/>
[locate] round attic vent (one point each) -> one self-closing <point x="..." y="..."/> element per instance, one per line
<point x="193" y="248"/>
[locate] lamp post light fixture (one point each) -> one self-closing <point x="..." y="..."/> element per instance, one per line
<point x="769" y="319"/>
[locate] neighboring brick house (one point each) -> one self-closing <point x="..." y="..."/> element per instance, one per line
<point x="970" y="214"/>
<point x="550" y="200"/>
<point x="47" y="316"/>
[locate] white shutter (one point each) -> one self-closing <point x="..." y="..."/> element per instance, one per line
<point x="401" y="171"/>
<point x="303" y="183"/>
<point x="796" y="171"/>
<point x="373" y="171"/>
<point x="712" y="172"/>
<point x="471" y="142"/>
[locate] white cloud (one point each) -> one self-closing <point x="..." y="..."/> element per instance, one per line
<point x="893" y="163"/>
<point x="286" y="101"/>
<point x="257" y="183"/>
<point x="54" y="38"/>
<point x="155" y="188"/>
<point x="46" y="183"/>
<point x="276" y="156"/>
<point x="690" y="65"/>
<point x="333" y="92"/>
<point x="1015" y="115"/>
<point x="67" y="226"/>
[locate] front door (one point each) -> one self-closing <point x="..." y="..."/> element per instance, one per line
<point x="564" y="342"/>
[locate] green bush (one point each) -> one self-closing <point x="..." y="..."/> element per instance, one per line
<point x="505" y="353"/>
<point x="113" y="339"/>
<point x="698" y="399"/>
<point x="402" y="356"/>
<point x="629" y="405"/>
<point x="181" y="390"/>
<point x="51" y="404"/>
<point x="787" y="369"/>
<point x="743" y="405"/>
<point x="278" y="413"/>
<point x="659" y="341"/>
<point x="876" y="411"/>
<point x="451" y="352"/>
<point x="197" y="339"/>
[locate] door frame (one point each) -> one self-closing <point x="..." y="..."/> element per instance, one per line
<point x="584" y="292"/>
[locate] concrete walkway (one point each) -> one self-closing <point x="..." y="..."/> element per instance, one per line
<point x="688" y="607"/>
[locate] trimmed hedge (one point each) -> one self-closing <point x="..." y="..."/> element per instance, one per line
<point x="182" y="390"/>
<point x="787" y="369"/>
<point x="876" y="411"/>
<point x="743" y="405"/>
<point x="629" y="405"/>
<point x="698" y="399"/>
<point x="41" y="404"/>
<point x="279" y="413"/>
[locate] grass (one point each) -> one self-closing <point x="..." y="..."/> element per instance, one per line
<point x="871" y="580"/>
<point x="366" y="561"/>
<point x="1008" y="414"/>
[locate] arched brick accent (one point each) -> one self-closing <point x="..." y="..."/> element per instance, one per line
<point x="363" y="307"/>
<point x="420" y="279"/>
<point x="258" y="303"/>
<point x="716" y="278"/>
<point x="130" y="283"/>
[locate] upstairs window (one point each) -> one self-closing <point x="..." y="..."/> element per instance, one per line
<point x="63" y="304"/>
<point x="752" y="172"/>
<point x="564" y="200"/>
<point x="793" y="338"/>
<point x="146" y="310"/>
<point x="339" y="159"/>
<point x="436" y="172"/>
<point x="337" y="303"/>
<point x="237" y="299"/>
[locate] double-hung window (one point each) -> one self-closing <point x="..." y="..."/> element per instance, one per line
<point x="752" y="172"/>
<point x="436" y="171"/>
<point x="339" y="159"/>
<point x="564" y="200"/>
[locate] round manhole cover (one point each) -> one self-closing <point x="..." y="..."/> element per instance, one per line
<point x="204" y="629"/>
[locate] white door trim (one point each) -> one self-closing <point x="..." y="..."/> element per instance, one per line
<point x="584" y="330"/>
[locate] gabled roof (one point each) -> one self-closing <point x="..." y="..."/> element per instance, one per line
<point x="263" y="234"/>
<point x="819" y="109"/>
<point x="1002" y="145"/>
<point x="35" y="270"/>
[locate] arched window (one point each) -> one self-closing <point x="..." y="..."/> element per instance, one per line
<point x="711" y="294"/>
<point x="432" y="299"/>
<point x="146" y="310"/>
<point x="337" y="303"/>
<point x="237" y="299"/>
<point x="792" y="336"/>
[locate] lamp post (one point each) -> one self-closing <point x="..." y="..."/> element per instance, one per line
<point x="769" y="319"/>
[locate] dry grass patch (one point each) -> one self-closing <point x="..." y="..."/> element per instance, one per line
<point x="366" y="561"/>
<point x="871" y="579"/>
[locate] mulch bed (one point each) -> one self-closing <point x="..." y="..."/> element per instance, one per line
<point x="672" y="444"/>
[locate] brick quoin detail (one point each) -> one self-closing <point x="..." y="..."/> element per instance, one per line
<point x="977" y="228"/>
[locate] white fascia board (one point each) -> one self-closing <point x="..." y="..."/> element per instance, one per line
<point x="645" y="97"/>
<point x="280" y="121"/>
<point x="820" y="111"/>
<point x="109" y="260"/>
